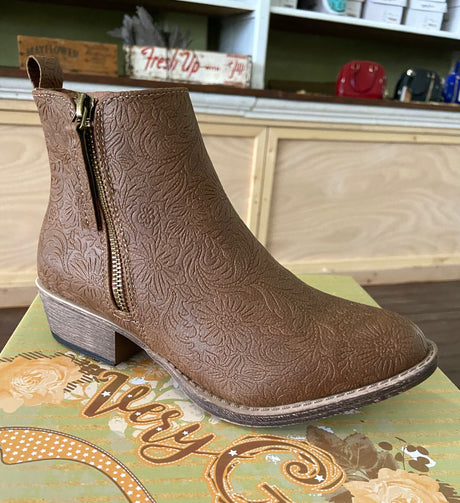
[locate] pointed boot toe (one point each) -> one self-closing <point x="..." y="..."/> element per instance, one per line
<point x="326" y="357"/>
<point x="391" y="344"/>
<point x="379" y="349"/>
<point x="374" y="344"/>
<point x="141" y="248"/>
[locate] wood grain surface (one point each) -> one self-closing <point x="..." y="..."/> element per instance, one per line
<point x="335" y="200"/>
<point x="75" y="56"/>
<point x="232" y="157"/>
<point x="24" y="187"/>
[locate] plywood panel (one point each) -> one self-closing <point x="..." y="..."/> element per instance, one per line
<point x="232" y="157"/>
<point x="337" y="200"/>
<point x="24" y="185"/>
<point x="378" y="203"/>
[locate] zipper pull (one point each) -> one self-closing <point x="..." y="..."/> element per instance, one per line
<point x="84" y="110"/>
<point x="80" y="110"/>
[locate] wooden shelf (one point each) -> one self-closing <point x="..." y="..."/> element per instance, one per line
<point x="127" y="82"/>
<point x="301" y="17"/>
<point x="204" y="7"/>
<point x="247" y="5"/>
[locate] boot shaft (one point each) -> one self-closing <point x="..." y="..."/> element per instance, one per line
<point x="130" y="180"/>
<point x="72" y="254"/>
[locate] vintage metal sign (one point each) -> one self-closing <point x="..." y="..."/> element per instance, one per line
<point x="183" y="65"/>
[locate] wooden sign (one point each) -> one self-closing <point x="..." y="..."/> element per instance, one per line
<point x="183" y="65"/>
<point x="74" y="56"/>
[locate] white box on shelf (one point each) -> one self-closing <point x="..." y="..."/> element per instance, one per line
<point x="183" y="65"/>
<point x="428" y="5"/>
<point x="354" y="8"/>
<point x="398" y="3"/>
<point x="390" y="13"/>
<point x="423" y="19"/>
<point x="284" y="3"/>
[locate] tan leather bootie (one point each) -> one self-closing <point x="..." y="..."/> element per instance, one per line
<point x="140" y="248"/>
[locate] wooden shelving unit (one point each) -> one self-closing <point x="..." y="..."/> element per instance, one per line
<point x="245" y="25"/>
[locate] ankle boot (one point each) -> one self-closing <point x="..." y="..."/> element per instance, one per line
<point x="141" y="248"/>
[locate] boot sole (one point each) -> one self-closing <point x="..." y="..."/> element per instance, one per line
<point x="101" y="339"/>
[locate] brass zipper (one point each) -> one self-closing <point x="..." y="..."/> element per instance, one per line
<point x="84" y="113"/>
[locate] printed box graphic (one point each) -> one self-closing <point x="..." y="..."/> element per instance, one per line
<point x="80" y="430"/>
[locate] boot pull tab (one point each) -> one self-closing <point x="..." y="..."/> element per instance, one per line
<point x="44" y="72"/>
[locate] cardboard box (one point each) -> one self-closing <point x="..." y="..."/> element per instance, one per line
<point x="390" y="13"/>
<point x="284" y="3"/>
<point x="423" y="19"/>
<point x="398" y="3"/>
<point x="183" y="65"/>
<point x="354" y="8"/>
<point x="74" y="56"/>
<point x="74" y="429"/>
<point x="428" y="5"/>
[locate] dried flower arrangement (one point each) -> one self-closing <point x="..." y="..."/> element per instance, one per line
<point x="140" y="29"/>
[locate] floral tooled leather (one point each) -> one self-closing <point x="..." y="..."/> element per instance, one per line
<point x="72" y="255"/>
<point x="202" y="291"/>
